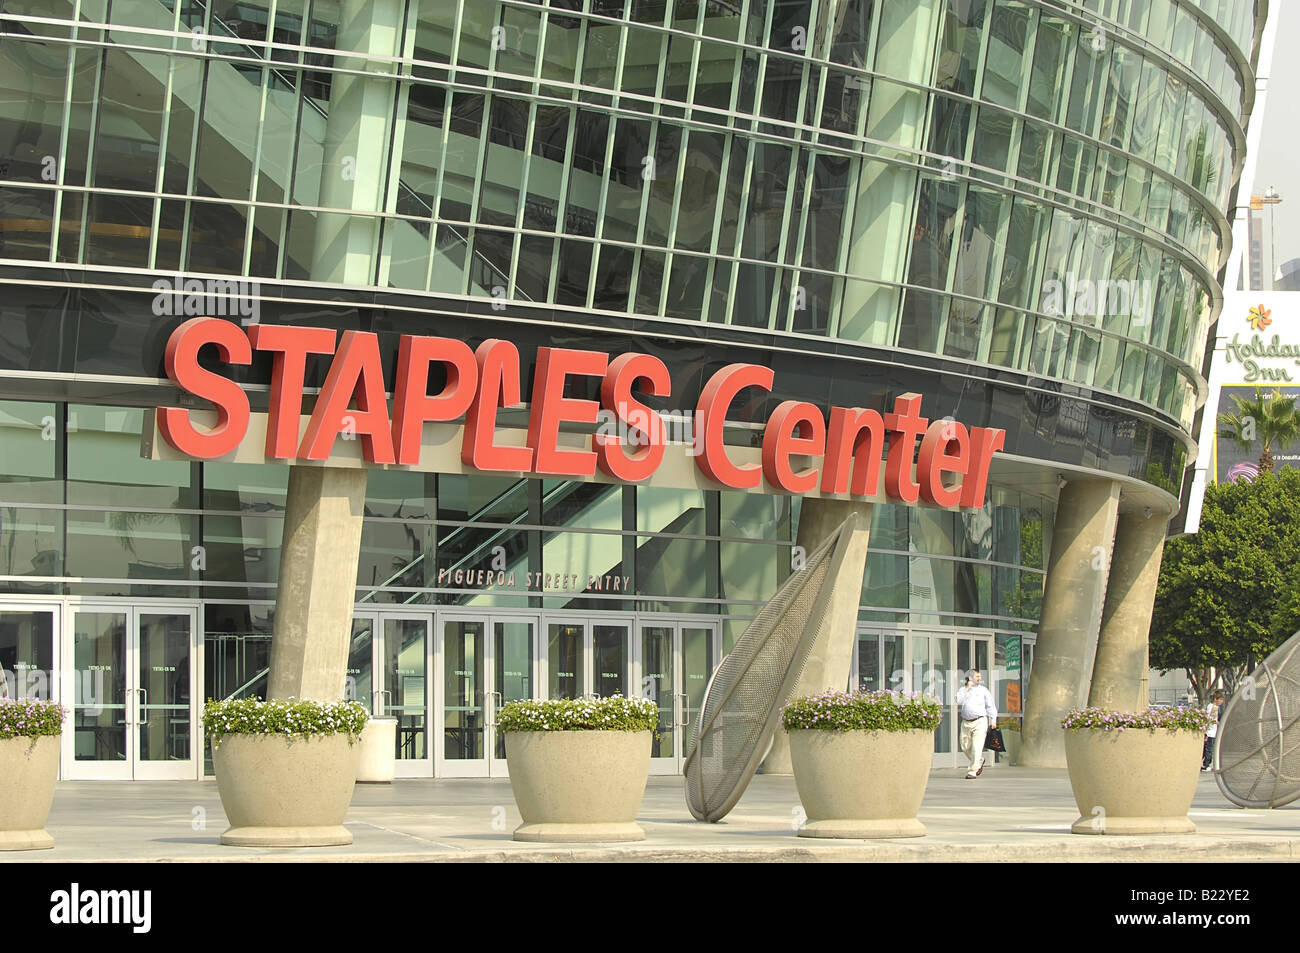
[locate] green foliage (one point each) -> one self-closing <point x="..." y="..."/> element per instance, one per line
<point x="1026" y="600"/>
<point x="294" y="719"/>
<point x="615" y="713"/>
<point x="30" y="718"/>
<point x="1170" y="719"/>
<point x="863" y="711"/>
<point x="1272" y="420"/>
<point x="1227" y="596"/>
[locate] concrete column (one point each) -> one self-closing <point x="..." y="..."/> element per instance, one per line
<point x="1119" y="674"/>
<point x="355" y="155"/>
<point x="317" y="583"/>
<point x="830" y="659"/>
<point x="1082" y="537"/>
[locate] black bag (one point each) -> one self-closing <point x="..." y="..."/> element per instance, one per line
<point x="993" y="740"/>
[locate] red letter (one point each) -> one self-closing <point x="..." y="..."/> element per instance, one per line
<point x="550" y="407"/>
<point x="984" y="443"/>
<point x="856" y="438"/>
<point x="412" y="404"/>
<point x="182" y="363"/>
<point x="780" y="443"/>
<point x="355" y="372"/>
<point x="498" y="386"/>
<point x="936" y="458"/>
<point x="711" y="414"/>
<point x="616" y="395"/>
<point x="905" y="424"/>
<point x="291" y="346"/>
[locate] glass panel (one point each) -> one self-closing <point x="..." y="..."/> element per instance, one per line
<point x="610" y="643"/>
<point x="165" y="677"/>
<point x="657" y="682"/>
<point x="940" y="677"/>
<point x="893" y="661"/>
<point x="697" y="666"/>
<point x="405" y="675"/>
<point x="26" y="653"/>
<point x="99" y="686"/>
<point x="564" y="652"/>
<point x="869" y="679"/>
<point x="360" y="678"/>
<point x="514" y="651"/>
<point x="462" y="653"/>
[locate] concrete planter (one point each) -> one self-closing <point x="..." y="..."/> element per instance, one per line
<point x="1012" y="740"/>
<point x="1138" y="781"/>
<point x="279" y="792"/>
<point x="861" y="784"/>
<point x="378" y="764"/>
<point x="27" y="775"/>
<point x="578" y="786"/>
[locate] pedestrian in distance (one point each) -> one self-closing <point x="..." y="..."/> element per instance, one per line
<point x="978" y="715"/>
<point x="1215" y="710"/>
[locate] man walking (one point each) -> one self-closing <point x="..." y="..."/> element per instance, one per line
<point x="978" y="715"/>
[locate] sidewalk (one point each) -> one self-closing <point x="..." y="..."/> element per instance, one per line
<point x="1009" y="814"/>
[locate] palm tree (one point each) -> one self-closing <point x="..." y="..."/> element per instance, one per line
<point x="1273" y="419"/>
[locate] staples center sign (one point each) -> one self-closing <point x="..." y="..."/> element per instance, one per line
<point x="802" y="451"/>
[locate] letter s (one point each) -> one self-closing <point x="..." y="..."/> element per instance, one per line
<point x="182" y="365"/>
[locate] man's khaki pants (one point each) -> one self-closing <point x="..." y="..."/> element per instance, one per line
<point x="972" y="741"/>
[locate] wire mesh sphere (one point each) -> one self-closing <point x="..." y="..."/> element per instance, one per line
<point x="1257" y="754"/>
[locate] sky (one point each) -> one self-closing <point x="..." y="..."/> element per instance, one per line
<point x="1279" y="153"/>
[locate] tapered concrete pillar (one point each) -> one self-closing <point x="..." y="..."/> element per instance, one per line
<point x="1119" y="674"/>
<point x="1082" y="537"/>
<point x="828" y="664"/>
<point x="317" y="583"/>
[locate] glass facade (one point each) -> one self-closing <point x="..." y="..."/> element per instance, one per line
<point x="1014" y="207"/>
<point x="939" y="176"/>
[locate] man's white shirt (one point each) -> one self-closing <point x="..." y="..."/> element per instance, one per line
<point x="976" y="701"/>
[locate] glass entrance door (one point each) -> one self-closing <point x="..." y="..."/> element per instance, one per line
<point x="486" y="661"/>
<point x="128" y="691"/>
<point x="586" y="657"/>
<point x="388" y="672"/>
<point x="676" y="660"/>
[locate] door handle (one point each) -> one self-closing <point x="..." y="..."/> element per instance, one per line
<point x="686" y="718"/>
<point x="376" y="705"/>
<point x="491" y="715"/>
<point x="139" y="706"/>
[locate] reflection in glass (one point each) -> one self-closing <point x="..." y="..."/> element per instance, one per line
<point x="26" y="653"/>
<point x="99" y="686"/>
<point x="564" y="651"/>
<point x="165" y="677"/>
<point x="405" y="674"/>
<point x="697" y="666"/>
<point x="462" y="654"/>
<point x="513" y="656"/>
<point x="610" y="642"/>
<point x="657" y="677"/>
<point x="360" y="677"/>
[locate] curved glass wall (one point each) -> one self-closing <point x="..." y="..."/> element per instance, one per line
<point x="1023" y="183"/>
<point x="81" y="514"/>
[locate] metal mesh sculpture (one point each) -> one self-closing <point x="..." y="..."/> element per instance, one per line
<point x="743" y="701"/>
<point x="1257" y="755"/>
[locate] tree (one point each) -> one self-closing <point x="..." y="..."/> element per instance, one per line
<point x="1272" y="419"/>
<point x="1228" y="595"/>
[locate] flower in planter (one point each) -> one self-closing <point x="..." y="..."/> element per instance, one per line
<point x="30" y="718"/>
<point x="1172" y="719"/>
<point x="290" y="717"/>
<point x="863" y="711"/>
<point x="615" y="713"/>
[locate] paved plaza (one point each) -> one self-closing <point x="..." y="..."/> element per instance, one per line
<point x="1008" y="815"/>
